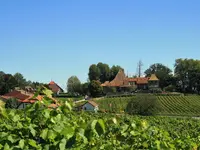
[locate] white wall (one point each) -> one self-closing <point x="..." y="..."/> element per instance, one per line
<point x="89" y="107"/>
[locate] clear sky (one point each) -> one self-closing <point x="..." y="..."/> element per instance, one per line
<point x="54" y="39"/>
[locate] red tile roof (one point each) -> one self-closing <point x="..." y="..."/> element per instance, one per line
<point x="132" y="79"/>
<point x="16" y="94"/>
<point x="52" y="82"/>
<point x="26" y="98"/>
<point x="122" y="81"/>
<point x="55" y="87"/>
<point x="142" y="80"/>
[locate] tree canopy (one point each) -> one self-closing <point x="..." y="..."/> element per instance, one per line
<point x="103" y="72"/>
<point x="95" y="88"/>
<point x="21" y="81"/>
<point x="94" y="72"/>
<point x="187" y="72"/>
<point x="74" y="85"/>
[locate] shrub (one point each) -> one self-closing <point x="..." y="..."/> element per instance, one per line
<point x="170" y="88"/>
<point x="143" y="105"/>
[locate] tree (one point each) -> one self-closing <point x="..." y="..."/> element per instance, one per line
<point x="8" y="83"/>
<point x="104" y="72"/>
<point x="2" y="82"/>
<point x="95" y="88"/>
<point x="85" y="88"/>
<point x="187" y="72"/>
<point x="74" y="85"/>
<point x="21" y="82"/>
<point x="162" y="72"/>
<point x="94" y="72"/>
<point x="113" y="71"/>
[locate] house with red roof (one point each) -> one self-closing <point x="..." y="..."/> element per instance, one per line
<point x="25" y="98"/>
<point x="89" y="106"/>
<point x="122" y="81"/>
<point x="55" y="88"/>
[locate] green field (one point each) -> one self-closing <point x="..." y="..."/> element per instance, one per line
<point x="163" y="105"/>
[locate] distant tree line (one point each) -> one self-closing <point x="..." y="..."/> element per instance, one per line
<point x="9" y="82"/>
<point x="184" y="78"/>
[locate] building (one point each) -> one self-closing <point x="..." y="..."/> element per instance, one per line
<point x="25" y="98"/>
<point x="122" y="82"/>
<point x="55" y="88"/>
<point x="89" y="106"/>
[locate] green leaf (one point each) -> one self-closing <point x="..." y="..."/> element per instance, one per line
<point x="16" y="118"/>
<point x="3" y="112"/>
<point x="51" y="135"/>
<point x="32" y="143"/>
<point x="124" y="128"/>
<point x="46" y="147"/>
<point x="6" y="147"/>
<point x="93" y="124"/>
<point x="10" y="138"/>
<point x="145" y="145"/>
<point x="68" y="105"/>
<point x="46" y="113"/>
<point x="62" y="144"/>
<point x="44" y="134"/>
<point x="100" y="127"/>
<point x="47" y="92"/>
<point x="68" y="132"/>
<point x="33" y="132"/>
<point x="21" y="143"/>
<point x="1" y="146"/>
<point x="19" y="125"/>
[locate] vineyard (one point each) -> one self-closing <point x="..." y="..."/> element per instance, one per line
<point x="38" y="127"/>
<point x="162" y="105"/>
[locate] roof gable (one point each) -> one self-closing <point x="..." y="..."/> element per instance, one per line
<point x="55" y="87"/>
<point x="153" y="78"/>
<point x="92" y="103"/>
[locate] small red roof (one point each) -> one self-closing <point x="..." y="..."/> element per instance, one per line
<point x="55" y="87"/>
<point x="52" y="82"/>
<point x="15" y="94"/>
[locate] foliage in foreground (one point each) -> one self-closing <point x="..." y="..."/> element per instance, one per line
<point x="40" y="128"/>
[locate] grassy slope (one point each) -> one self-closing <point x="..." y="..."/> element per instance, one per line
<point x="165" y="105"/>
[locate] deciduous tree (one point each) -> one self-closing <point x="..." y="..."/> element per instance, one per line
<point x="104" y="72"/>
<point x="94" y="72"/>
<point x="95" y="88"/>
<point x="74" y="85"/>
<point x="21" y="81"/>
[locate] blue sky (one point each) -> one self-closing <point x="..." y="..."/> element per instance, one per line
<point x="51" y="39"/>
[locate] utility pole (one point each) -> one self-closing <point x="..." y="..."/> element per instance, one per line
<point x="140" y="68"/>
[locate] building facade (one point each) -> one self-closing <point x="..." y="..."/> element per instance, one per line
<point x="121" y="81"/>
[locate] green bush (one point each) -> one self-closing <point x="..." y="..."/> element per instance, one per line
<point x="170" y="88"/>
<point x="144" y="104"/>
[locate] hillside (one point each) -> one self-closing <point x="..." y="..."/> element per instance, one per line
<point x="160" y="105"/>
